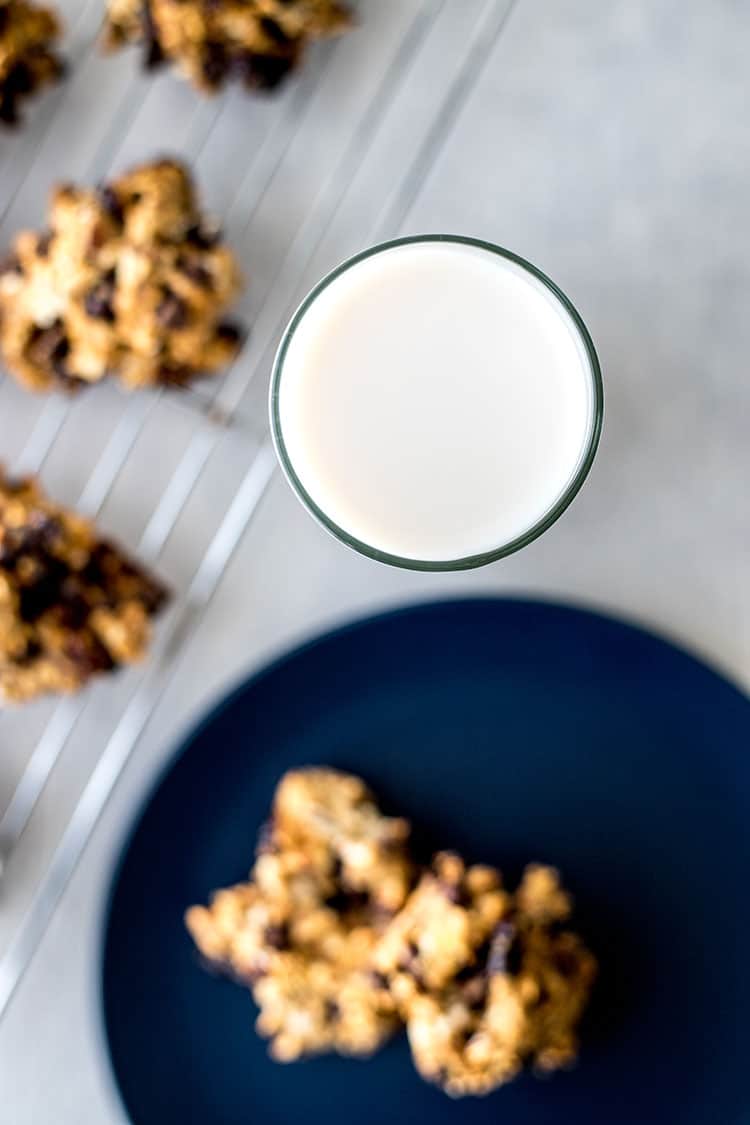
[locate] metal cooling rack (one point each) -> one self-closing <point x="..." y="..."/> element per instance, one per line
<point x="302" y="180"/>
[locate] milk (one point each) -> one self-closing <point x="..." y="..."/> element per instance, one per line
<point x="434" y="401"/>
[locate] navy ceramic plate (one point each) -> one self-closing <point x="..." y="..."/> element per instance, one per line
<point x="512" y="731"/>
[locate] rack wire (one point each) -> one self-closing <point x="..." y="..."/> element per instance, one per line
<point x="371" y="157"/>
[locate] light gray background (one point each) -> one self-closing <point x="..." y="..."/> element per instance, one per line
<point x="607" y="142"/>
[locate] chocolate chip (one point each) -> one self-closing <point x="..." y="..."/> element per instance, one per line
<point x="8" y="109"/>
<point x="11" y="264"/>
<point x="19" y="80"/>
<point x="262" y="72"/>
<point x="566" y="962"/>
<point x="33" y="652"/>
<point x="99" y="566"/>
<point x="474" y="992"/>
<point x="152" y="594"/>
<point x="110" y="203"/>
<point x="410" y="963"/>
<point x="87" y="653"/>
<point x="106" y="568"/>
<point x="99" y="301"/>
<point x="380" y="980"/>
<point x="274" y="31"/>
<point x="172" y="311"/>
<point x="196" y="272"/>
<point x="277" y="937"/>
<point x="74" y="611"/>
<point x="332" y="1011"/>
<point x="542" y="997"/>
<point x="48" y="347"/>
<point x="15" y="484"/>
<point x="154" y="54"/>
<point x="229" y="333"/>
<point x="43" y="243"/>
<point x="32" y="538"/>
<point x="175" y="374"/>
<point x="419" y="982"/>
<point x="39" y="596"/>
<point x="215" y="63"/>
<point x="346" y="902"/>
<point x="202" y="237"/>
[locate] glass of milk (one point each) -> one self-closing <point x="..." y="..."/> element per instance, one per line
<point x="436" y="402"/>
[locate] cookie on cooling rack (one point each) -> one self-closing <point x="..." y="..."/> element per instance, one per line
<point x="257" y="42"/>
<point x="129" y="280"/>
<point x="330" y="874"/>
<point x="72" y="605"/>
<point x="28" y="33"/>
<point x="486" y="981"/>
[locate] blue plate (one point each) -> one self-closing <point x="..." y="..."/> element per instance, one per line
<point x="512" y="731"/>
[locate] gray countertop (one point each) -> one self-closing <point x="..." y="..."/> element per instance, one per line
<point x="610" y="144"/>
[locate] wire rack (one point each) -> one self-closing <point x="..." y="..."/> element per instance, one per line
<point x="301" y="181"/>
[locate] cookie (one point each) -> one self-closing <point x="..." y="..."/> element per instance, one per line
<point x="129" y="281"/>
<point x="72" y="605"/>
<point x="28" y="33"/>
<point x="330" y="873"/>
<point x="257" y="42"/>
<point x="486" y="982"/>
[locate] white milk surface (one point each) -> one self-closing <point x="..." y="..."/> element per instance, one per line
<point x="435" y="400"/>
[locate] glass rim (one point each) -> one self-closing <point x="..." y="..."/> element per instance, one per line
<point x="467" y="562"/>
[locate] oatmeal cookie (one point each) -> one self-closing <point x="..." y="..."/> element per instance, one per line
<point x="256" y="41"/>
<point x="28" y="33"/>
<point x="129" y="281"/>
<point x="330" y="873"/>
<point x="71" y="604"/>
<point x="487" y="982"/>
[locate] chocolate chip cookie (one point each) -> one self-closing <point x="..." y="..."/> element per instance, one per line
<point x="330" y="873"/>
<point x="28" y="33"/>
<point x="72" y="605"/>
<point x="257" y="42"/>
<point x="486" y="981"/>
<point x="129" y="281"/>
